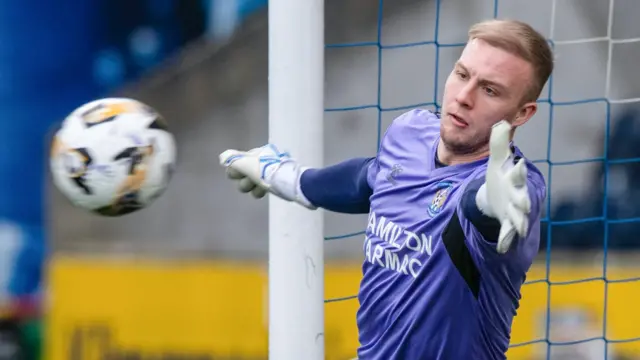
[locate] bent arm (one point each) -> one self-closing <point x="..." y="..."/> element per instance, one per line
<point x="489" y="227"/>
<point x="342" y="188"/>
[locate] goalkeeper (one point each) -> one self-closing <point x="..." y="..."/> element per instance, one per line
<point x="454" y="207"/>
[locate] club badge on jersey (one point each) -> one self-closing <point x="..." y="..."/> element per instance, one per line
<point x="440" y="198"/>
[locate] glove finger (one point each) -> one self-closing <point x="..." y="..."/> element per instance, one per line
<point x="518" y="220"/>
<point x="499" y="144"/>
<point x="245" y="185"/>
<point x="234" y="174"/>
<point x="258" y="192"/>
<point x="228" y="156"/>
<point x="507" y="233"/>
<point x="520" y="199"/>
<point x="518" y="174"/>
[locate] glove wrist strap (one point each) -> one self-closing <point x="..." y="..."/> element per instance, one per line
<point x="285" y="183"/>
<point x="482" y="201"/>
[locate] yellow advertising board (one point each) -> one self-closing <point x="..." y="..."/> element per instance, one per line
<point x="184" y="310"/>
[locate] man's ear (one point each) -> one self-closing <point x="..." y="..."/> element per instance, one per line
<point x="525" y="113"/>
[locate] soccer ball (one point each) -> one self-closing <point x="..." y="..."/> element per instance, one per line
<point x="113" y="156"/>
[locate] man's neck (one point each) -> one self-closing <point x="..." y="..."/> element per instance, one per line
<point x="447" y="157"/>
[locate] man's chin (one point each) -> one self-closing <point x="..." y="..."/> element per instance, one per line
<point x="460" y="144"/>
<point x="454" y="137"/>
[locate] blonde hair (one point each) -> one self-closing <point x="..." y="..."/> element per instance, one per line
<point x="522" y="40"/>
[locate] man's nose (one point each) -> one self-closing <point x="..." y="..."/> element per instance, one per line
<point x="465" y="96"/>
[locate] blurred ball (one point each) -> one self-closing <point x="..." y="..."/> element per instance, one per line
<point x="113" y="156"/>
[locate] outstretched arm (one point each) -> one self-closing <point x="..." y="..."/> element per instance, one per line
<point x="342" y="187"/>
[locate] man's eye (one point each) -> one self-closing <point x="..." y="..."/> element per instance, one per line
<point x="490" y="91"/>
<point x="462" y="75"/>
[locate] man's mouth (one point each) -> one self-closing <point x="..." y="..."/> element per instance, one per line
<point x="458" y="121"/>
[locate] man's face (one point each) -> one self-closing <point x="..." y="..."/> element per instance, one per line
<point x="486" y="85"/>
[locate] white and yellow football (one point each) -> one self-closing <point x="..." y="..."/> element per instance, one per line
<point x="113" y="156"/>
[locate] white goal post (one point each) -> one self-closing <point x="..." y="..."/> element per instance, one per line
<point x="296" y="111"/>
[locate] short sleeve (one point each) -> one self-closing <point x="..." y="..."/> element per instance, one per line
<point x="372" y="172"/>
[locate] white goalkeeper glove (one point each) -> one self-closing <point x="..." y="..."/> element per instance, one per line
<point x="265" y="169"/>
<point x="504" y="195"/>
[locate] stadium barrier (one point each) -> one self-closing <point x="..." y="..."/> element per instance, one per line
<point x="172" y="309"/>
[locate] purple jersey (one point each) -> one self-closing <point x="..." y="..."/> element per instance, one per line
<point x="433" y="287"/>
